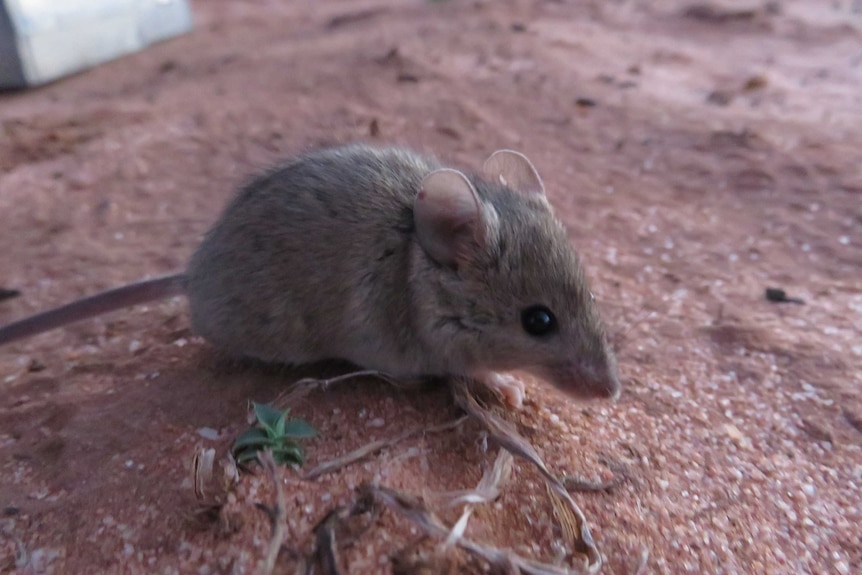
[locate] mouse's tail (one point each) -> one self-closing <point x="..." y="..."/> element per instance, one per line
<point x="118" y="298"/>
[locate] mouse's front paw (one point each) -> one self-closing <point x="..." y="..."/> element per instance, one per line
<point x="508" y="387"/>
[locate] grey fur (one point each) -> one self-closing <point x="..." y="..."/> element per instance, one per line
<point x="336" y="272"/>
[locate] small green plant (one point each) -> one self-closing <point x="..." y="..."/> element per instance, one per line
<point x="275" y="433"/>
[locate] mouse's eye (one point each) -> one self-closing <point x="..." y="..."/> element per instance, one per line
<point x="538" y="320"/>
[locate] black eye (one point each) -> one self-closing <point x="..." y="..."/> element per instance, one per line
<point x="538" y="320"/>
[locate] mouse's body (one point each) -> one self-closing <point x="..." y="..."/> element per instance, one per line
<point x="381" y="257"/>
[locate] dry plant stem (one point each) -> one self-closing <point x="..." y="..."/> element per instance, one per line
<point x="486" y="491"/>
<point x="374" y="447"/>
<point x="505" y="561"/>
<point x="277" y="516"/>
<point x="571" y="517"/>
<point x="334" y="532"/>
<point x="308" y="384"/>
<point x="326" y="542"/>
<point x="202" y="469"/>
<point x="644" y="560"/>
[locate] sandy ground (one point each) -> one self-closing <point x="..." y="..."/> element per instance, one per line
<point x="697" y="155"/>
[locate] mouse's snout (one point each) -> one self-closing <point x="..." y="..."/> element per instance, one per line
<point x="606" y="385"/>
<point x="588" y="380"/>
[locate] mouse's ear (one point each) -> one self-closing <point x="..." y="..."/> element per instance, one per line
<point x="448" y="217"/>
<point x="514" y="170"/>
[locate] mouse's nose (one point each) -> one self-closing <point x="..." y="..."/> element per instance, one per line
<point x="613" y="387"/>
<point x="598" y="381"/>
<point x="606" y="385"/>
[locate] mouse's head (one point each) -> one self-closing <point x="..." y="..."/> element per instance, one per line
<point x="507" y="291"/>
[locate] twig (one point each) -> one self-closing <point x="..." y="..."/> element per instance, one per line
<point x="427" y="521"/>
<point x="334" y="531"/>
<point x="571" y="517"/>
<point x="486" y="491"/>
<point x="308" y="384"/>
<point x="326" y="541"/>
<point x="374" y="447"/>
<point x="644" y="561"/>
<point x="573" y="483"/>
<point x="277" y="515"/>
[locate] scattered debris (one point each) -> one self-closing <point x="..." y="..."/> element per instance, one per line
<point x="574" y="483"/>
<point x="816" y="431"/>
<point x="719" y="97"/>
<point x="36" y="366"/>
<point x="407" y="77"/>
<point x="853" y="418"/>
<point x="204" y="516"/>
<point x="755" y="83"/>
<point x="715" y="15"/>
<point x="586" y="102"/>
<point x="778" y="295"/>
<point x="392" y="56"/>
<point x="167" y="66"/>
<point x="353" y="17"/>
<point x="6" y="293"/>
<point x="449" y="132"/>
<point x="745" y="138"/>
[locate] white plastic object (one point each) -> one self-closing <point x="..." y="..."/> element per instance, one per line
<point x="42" y="40"/>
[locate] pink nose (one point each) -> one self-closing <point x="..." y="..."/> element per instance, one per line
<point x="588" y="382"/>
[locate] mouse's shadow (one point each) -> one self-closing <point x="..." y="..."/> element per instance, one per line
<point x="140" y="424"/>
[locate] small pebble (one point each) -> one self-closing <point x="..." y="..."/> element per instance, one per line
<point x="208" y="433"/>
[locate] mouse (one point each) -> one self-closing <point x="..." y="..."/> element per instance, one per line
<point x="385" y="258"/>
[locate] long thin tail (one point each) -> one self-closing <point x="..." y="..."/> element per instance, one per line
<point x="118" y="298"/>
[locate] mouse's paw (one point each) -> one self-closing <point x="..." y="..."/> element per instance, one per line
<point x="508" y="387"/>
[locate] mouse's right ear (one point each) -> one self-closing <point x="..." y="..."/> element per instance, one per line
<point x="448" y="217"/>
<point x="514" y="170"/>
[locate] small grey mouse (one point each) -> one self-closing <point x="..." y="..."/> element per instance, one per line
<point x="386" y="259"/>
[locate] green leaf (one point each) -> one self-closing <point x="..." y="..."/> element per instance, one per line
<point x="252" y="437"/>
<point x="298" y="428"/>
<point x="279" y="425"/>
<point x="267" y="415"/>
<point x="246" y="456"/>
<point x="288" y="454"/>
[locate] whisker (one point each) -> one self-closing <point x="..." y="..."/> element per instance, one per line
<point x="619" y="339"/>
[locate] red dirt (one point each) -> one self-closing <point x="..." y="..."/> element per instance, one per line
<point x="697" y="156"/>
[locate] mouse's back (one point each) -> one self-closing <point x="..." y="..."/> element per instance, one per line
<point x="304" y="257"/>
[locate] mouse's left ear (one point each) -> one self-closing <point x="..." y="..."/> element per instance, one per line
<point x="514" y="170"/>
<point x="448" y="218"/>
